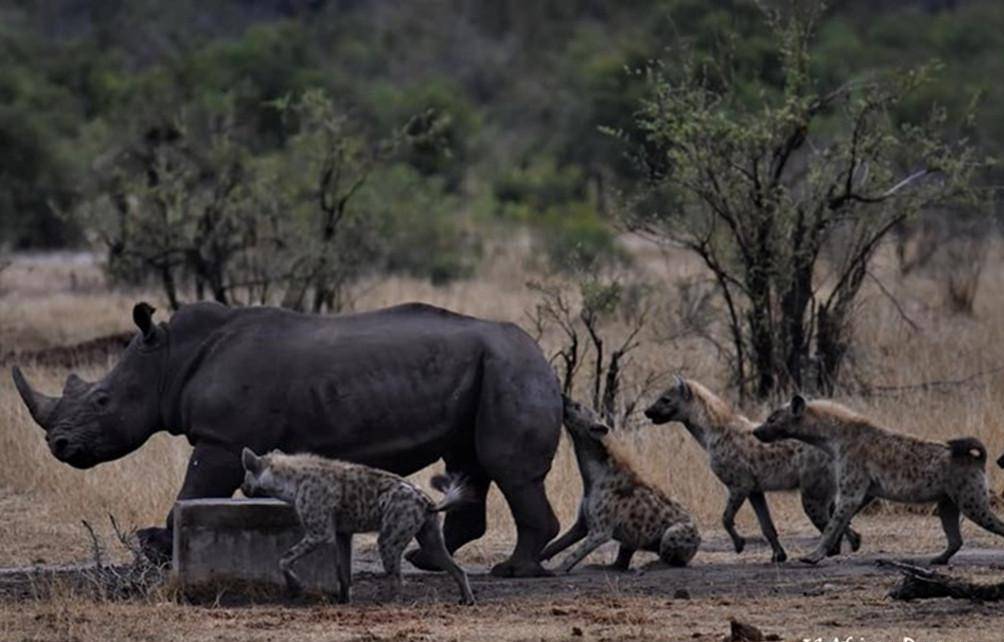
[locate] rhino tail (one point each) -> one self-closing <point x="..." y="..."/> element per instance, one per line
<point x="456" y="492"/>
<point x="968" y="449"/>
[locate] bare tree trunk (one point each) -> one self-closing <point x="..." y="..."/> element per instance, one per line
<point x="170" y="289"/>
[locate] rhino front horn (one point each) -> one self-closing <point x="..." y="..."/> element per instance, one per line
<point x="40" y="406"/>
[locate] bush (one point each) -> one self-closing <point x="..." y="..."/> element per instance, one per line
<point x="524" y="192"/>
<point x="576" y="239"/>
<point x="420" y="230"/>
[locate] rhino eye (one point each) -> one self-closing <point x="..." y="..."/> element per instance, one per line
<point x="102" y="401"/>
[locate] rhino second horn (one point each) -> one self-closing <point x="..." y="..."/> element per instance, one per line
<point x="40" y="406"/>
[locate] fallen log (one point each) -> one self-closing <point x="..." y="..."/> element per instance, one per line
<point x="919" y="583"/>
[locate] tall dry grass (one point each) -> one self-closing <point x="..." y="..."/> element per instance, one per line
<point x="41" y="305"/>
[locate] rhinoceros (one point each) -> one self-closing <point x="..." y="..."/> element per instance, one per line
<point x="397" y="388"/>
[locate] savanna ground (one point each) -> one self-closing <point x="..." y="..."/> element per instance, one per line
<point x="50" y="300"/>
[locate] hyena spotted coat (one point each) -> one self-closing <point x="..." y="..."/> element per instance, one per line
<point x="335" y="499"/>
<point x="618" y="505"/>
<point x="874" y="462"/>
<point x="748" y="467"/>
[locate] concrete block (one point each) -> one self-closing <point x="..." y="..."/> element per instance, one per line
<point x="238" y="542"/>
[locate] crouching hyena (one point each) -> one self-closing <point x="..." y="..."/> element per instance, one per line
<point x="335" y="499"/>
<point x="874" y="462"/>
<point x="617" y="504"/>
<point x="749" y="467"/>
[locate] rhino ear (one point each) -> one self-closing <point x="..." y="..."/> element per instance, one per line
<point x="142" y="316"/>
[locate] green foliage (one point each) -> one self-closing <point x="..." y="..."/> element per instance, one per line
<point x="576" y="239"/>
<point x="505" y="101"/>
<point x="419" y="227"/>
<point x="524" y="192"/>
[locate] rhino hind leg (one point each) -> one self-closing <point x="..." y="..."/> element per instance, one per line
<point x="213" y="471"/>
<point x="536" y="525"/>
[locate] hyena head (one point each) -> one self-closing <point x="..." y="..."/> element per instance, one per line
<point x="787" y="422"/>
<point x="582" y="422"/>
<point x="675" y="404"/>
<point x="260" y="480"/>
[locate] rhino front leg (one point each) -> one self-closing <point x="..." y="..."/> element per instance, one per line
<point x="213" y="471"/>
<point x="463" y="524"/>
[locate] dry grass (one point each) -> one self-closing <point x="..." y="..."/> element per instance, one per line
<point x="42" y="305"/>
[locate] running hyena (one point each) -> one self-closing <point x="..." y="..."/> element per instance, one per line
<point x="335" y="499"/>
<point x="616" y="504"/>
<point x="749" y="467"/>
<point x="874" y="462"/>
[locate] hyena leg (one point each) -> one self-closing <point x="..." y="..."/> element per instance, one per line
<point x="307" y="544"/>
<point x="343" y="549"/>
<point x="318" y="523"/>
<point x="818" y="510"/>
<point x="464" y="523"/>
<point x="759" y="503"/>
<point x="971" y="498"/>
<point x="430" y="539"/>
<point x="574" y="534"/>
<point x="732" y="506"/>
<point x="593" y="541"/>
<point x="623" y="561"/>
<point x="949" y="514"/>
<point x="849" y="501"/>
<point x="400" y="523"/>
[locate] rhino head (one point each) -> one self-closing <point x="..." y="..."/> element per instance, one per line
<point x="97" y="422"/>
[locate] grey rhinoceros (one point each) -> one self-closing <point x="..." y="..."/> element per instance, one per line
<point x="396" y="388"/>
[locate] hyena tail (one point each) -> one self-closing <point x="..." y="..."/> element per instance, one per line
<point x="969" y="449"/>
<point x="456" y="492"/>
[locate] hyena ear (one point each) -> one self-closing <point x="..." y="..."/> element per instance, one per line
<point x="251" y="461"/>
<point x="684" y="388"/>
<point x="598" y="431"/>
<point x="797" y="405"/>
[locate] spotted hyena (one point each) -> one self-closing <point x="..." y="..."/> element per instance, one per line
<point x="618" y="505"/>
<point x="874" y="462"/>
<point x="749" y="467"/>
<point x="335" y="499"/>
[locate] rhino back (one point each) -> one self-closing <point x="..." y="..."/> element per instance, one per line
<point x="393" y="388"/>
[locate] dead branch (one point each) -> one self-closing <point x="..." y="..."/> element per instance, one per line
<point x="919" y="583"/>
<point x="95" y="544"/>
<point x="895" y="302"/>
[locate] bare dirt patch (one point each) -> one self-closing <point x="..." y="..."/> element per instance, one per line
<point x="844" y="596"/>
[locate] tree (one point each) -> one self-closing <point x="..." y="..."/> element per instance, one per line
<point x="759" y="181"/>
<point x="599" y="323"/>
